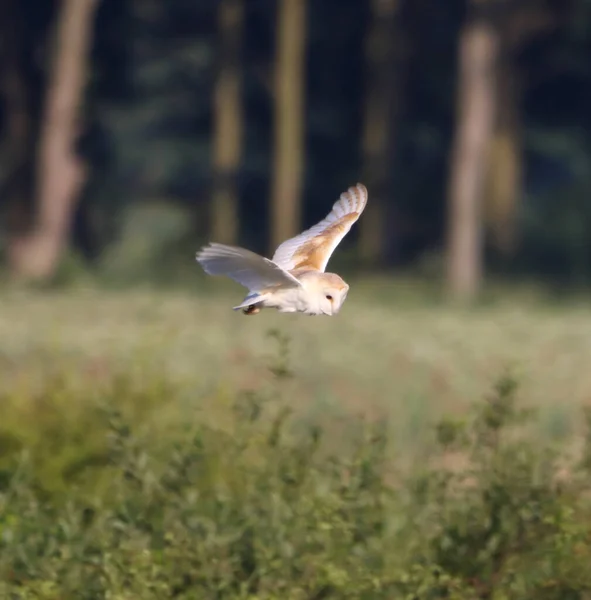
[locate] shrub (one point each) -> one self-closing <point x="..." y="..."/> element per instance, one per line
<point x="105" y="494"/>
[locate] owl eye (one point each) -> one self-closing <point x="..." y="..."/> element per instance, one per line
<point x="329" y="297"/>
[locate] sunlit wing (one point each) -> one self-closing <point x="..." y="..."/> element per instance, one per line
<point x="249" y="269"/>
<point x="314" y="247"/>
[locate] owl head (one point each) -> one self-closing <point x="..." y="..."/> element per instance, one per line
<point x="326" y="292"/>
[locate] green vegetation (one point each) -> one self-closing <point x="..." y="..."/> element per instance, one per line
<point x="160" y="446"/>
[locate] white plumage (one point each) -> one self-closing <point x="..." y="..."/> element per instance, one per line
<point x="295" y="279"/>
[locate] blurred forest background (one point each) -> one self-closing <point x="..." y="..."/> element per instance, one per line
<point x="242" y="121"/>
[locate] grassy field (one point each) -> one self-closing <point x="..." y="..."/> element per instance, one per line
<point x="147" y="438"/>
<point x="414" y="360"/>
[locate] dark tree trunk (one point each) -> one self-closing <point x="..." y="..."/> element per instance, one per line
<point x="17" y="147"/>
<point x="505" y="162"/>
<point x="228" y="123"/>
<point x="384" y="58"/>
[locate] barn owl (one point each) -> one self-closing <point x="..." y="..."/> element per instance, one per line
<point x="294" y="279"/>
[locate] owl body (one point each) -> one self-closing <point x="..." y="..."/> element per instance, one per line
<point x="295" y="279"/>
<point x="319" y="294"/>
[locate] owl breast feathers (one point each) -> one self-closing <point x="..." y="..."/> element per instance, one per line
<point x="294" y="280"/>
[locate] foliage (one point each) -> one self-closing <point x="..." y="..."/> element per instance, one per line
<point x="121" y="488"/>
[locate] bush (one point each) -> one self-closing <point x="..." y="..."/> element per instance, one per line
<point x="119" y="490"/>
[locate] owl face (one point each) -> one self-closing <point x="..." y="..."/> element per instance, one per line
<point x="332" y="299"/>
<point x="325" y="293"/>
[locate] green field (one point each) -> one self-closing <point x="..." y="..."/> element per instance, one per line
<point x="157" y="445"/>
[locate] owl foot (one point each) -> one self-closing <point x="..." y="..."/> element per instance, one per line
<point x="253" y="309"/>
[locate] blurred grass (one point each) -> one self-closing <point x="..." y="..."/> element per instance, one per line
<point x="392" y="348"/>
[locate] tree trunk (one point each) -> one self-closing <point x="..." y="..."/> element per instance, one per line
<point x="478" y="49"/>
<point x="15" y="188"/>
<point x="60" y="174"/>
<point x="518" y="24"/>
<point x="288" y="160"/>
<point x="382" y="105"/>
<point x="228" y="123"/>
<point x="505" y="162"/>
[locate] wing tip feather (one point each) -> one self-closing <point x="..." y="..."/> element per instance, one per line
<point x="215" y="250"/>
<point x="354" y="199"/>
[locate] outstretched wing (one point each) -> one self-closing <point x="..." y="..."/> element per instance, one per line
<point x="251" y="270"/>
<point x="314" y="247"/>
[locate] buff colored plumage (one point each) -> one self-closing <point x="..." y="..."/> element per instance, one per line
<point x="294" y="280"/>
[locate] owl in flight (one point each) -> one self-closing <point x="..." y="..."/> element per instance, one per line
<point x="294" y="279"/>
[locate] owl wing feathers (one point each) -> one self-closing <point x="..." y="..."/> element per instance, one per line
<point x="249" y="269"/>
<point x="313" y="248"/>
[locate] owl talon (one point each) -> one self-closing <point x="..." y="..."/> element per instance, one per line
<point x="253" y="309"/>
